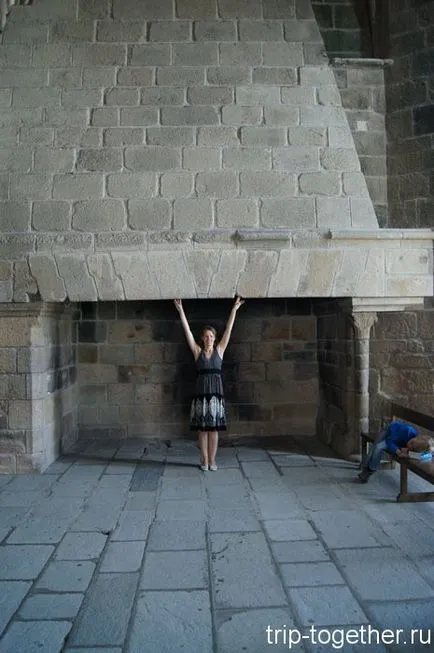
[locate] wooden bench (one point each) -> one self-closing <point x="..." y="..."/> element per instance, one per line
<point x="423" y="469"/>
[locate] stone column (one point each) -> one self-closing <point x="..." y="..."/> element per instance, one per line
<point x="362" y="323"/>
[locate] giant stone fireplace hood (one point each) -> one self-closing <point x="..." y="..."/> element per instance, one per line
<point x="264" y="197"/>
<point x="377" y="268"/>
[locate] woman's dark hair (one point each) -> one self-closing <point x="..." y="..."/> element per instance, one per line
<point x="207" y="327"/>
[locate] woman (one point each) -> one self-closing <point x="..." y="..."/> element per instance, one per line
<point x="208" y="415"/>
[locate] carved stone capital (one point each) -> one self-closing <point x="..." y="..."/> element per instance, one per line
<point x="362" y="323"/>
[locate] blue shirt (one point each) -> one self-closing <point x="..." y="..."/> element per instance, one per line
<point x="398" y="434"/>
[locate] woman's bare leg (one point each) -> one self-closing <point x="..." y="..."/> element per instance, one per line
<point x="203" y="446"/>
<point x="213" y="441"/>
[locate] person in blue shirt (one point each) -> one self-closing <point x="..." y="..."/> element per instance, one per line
<point x="398" y="438"/>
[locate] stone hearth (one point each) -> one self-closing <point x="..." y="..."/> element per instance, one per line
<point x="170" y="148"/>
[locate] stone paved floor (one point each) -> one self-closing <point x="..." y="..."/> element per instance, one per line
<point x="117" y="550"/>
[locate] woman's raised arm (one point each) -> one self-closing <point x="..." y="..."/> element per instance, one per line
<point x="230" y="323"/>
<point x="188" y="334"/>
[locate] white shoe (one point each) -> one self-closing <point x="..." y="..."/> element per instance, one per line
<point x="204" y="468"/>
<point x="213" y="468"/>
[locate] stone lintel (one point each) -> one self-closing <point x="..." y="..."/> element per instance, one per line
<point x="369" y="263"/>
<point x="386" y="304"/>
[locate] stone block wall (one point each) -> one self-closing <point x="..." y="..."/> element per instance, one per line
<point x="335" y="421"/>
<point x="402" y="362"/>
<point x="410" y="119"/>
<point x="122" y="119"/>
<point x="136" y="374"/>
<point x="347" y="33"/>
<point x="344" y="27"/>
<point x="38" y="400"/>
<point x="362" y="88"/>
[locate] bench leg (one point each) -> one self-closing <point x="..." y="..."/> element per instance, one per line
<point x="406" y="496"/>
<point x="404" y="479"/>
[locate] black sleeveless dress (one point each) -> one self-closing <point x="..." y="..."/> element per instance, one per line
<point x="208" y="406"/>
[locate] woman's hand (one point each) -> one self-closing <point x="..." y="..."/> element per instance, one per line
<point x="238" y="302"/>
<point x="178" y="304"/>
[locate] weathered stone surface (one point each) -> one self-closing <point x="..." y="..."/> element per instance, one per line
<point x="171" y="136"/>
<point x="124" y="136"/>
<point x="340" y="159"/>
<point x="15" y="246"/>
<point x="24" y="284"/>
<point x="215" y="30"/>
<point x="228" y="572"/>
<point x="229" y="75"/>
<point x="299" y="160"/>
<point x="236" y="213"/>
<point x="107" y="160"/>
<point x="109" y="287"/>
<point x="254" y="280"/>
<point x="247" y="158"/>
<point x="279" y="75"/>
<point x="272" y="136"/>
<point x="33" y="187"/>
<point x="320" y="273"/>
<point x="137" y="116"/>
<point x="78" y="282"/>
<point x="373" y="274"/>
<point x="225" y="281"/>
<point x="280" y="184"/>
<point x="50" y="284"/>
<point x="333" y="212"/>
<point x="202" y="266"/>
<point x="192" y="606"/>
<point x="134" y="271"/>
<point x="152" y="158"/>
<point x="131" y="185"/>
<point x="349" y="274"/>
<point x="149" y="214"/>
<point x="320" y="183"/>
<point x="282" y="54"/>
<point x="196" y="10"/>
<point x="210" y="77"/>
<point x="99" y="54"/>
<point x="189" y="116"/>
<point x="107" y="214"/>
<point x="240" y="9"/>
<point x="189" y="54"/>
<point x="201" y="158"/>
<point x="354" y="184"/>
<point x="238" y="115"/>
<point x="105" y="622"/>
<point x="78" y="186"/>
<point x="216" y="184"/>
<point x="171" y="275"/>
<point x="177" y="184"/>
<point x="51" y="216"/>
<point x="293" y="212"/>
<point x="363" y="213"/>
<point x="278" y="115"/>
<point x="182" y="75"/>
<point x="45" y="634"/>
<point x="421" y="286"/>
<point x="63" y="242"/>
